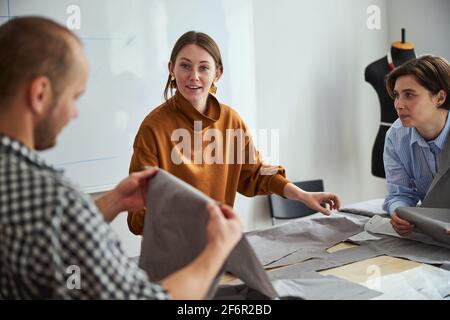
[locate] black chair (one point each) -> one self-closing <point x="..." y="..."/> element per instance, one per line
<point x="281" y="208"/>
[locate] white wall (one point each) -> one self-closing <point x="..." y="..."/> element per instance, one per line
<point x="309" y="61"/>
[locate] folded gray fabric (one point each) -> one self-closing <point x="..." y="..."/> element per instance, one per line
<point x="298" y="266"/>
<point x="303" y="285"/>
<point x="175" y="234"/>
<point x="314" y="286"/>
<point x="368" y="208"/>
<point x="303" y="238"/>
<point x="301" y="279"/>
<point x="382" y="226"/>
<point x="446" y="266"/>
<point x="363" y="236"/>
<point x="326" y="261"/>
<point x="432" y="221"/>
<point x="316" y="258"/>
<point x="244" y="264"/>
<point x="300" y="255"/>
<point x="417" y="247"/>
<point x="237" y="292"/>
<point x="410" y="249"/>
<point x="437" y="195"/>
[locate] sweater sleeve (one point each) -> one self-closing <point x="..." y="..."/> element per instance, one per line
<point x="256" y="177"/>
<point x="144" y="154"/>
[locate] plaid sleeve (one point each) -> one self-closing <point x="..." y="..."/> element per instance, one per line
<point x="88" y="258"/>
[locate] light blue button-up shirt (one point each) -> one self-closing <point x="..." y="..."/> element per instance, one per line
<point x="410" y="164"/>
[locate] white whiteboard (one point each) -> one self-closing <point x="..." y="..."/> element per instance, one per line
<point x="128" y="43"/>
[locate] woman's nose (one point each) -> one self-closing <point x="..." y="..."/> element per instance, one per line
<point x="195" y="75"/>
<point x="398" y="104"/>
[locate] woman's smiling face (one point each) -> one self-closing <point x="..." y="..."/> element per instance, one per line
<point x="195" y="71"/>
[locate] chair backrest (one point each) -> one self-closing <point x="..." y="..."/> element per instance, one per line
<point x="281" y="208"/>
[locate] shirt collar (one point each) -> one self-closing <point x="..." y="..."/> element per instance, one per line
<point x="442" y="137"/>
<point x="213" y="110"/>
<point x="417" y="138"/>
<point x="13" y="146"/>
<point x="439" y="141"/>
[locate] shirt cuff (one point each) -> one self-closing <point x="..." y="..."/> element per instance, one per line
<point x="277" y="184"/>
<point x="397" y="204"/>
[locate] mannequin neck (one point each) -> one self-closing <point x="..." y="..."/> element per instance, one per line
<point x="400" y="56"/>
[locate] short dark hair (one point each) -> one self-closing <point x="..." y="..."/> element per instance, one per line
<point x="200" y="39"/>
<point x="33" y="47"/>
<point x="431" y="72"/>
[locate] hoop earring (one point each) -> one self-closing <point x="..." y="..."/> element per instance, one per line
<point x="213" y="88"/>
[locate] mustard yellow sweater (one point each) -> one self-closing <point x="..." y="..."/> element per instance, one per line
<point x="205" y="150"/>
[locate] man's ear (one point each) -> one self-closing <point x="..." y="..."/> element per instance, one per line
<point x="40" y="94"/>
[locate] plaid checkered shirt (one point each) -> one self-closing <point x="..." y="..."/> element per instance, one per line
<point x="54" y="242"/>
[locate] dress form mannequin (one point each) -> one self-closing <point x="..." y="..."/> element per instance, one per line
<point x="399" y="53"/>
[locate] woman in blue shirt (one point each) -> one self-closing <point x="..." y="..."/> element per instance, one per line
<point x="420" y="89"/>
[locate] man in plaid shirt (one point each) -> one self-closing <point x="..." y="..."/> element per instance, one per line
<point x="49" y="230"/>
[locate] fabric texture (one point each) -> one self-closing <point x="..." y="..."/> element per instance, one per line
<point x="302" y="238"/>
<point x="411" y="165"/>
<point x="298" y="248"/>
<point x="437" y="195"/>
<point x="303" y="285"/>
<point x="312" y="255"/>
<point x="50" y="232"/>
<point x="431" y="221"/>
<point x="175" y="234"/>
<point x="313" y="286"/>
<point x="367" y="208"/>
<point x="168" y="138"/>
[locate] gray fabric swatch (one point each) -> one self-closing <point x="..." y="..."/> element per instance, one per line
<point x="446" y="266"/>
<point x="363" y="236"/>
<point x="394" y="247"/>
<point x="432" y="221"/>
<point x="300" y="255"/>
<point x="382" y="226"/>
<point x="437" y="195"/>
<point x="244" y="264"/>
<point x="237" y="292"/>
<point x="314" y="286"/>
<point x="304" y="284"/>
<point x="300" y="264"/>
<point x="175" y="234"/>
<point x="302" y="238"/>
<point x="367" y="208"/>
<point x="411" y="250"/>
<point x="326" y="261"/>
<point x="314" y="257"/>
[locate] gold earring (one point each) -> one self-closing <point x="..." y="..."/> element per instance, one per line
<point x="173" y="82"/>
<point x="213" y="88"/>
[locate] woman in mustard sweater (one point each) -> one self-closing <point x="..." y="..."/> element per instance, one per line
<point x="204" y="142"/>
